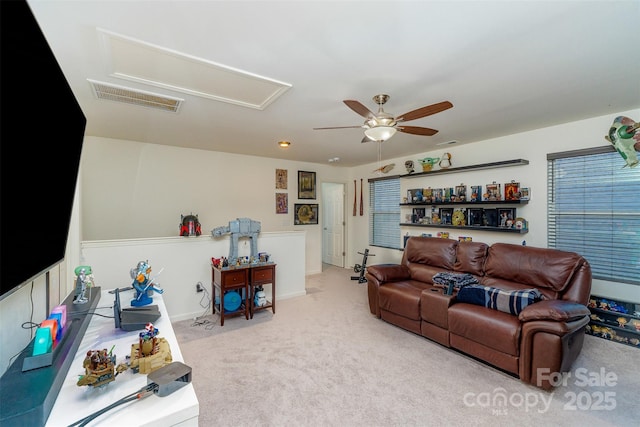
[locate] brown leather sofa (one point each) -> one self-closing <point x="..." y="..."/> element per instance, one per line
<point x="542" y="340"/>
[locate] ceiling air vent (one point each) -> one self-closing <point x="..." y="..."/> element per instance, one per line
<point x="135" y="97"/>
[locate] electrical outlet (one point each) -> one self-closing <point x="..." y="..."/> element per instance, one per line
<point x="199" y="287"/>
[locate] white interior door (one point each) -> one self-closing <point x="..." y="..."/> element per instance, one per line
<point x="333" y="195"/>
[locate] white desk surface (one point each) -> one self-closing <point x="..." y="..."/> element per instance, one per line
<point x="75" y="402"/>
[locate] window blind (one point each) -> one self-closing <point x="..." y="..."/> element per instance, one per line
<point x="594" y="210"/>
<point x="384" y="213"/>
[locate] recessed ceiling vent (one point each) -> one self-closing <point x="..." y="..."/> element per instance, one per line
<point x="135" y="97"/>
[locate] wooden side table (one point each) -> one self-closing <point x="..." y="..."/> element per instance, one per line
<point x="237" y="280"/>
<point x="263" y="275"/>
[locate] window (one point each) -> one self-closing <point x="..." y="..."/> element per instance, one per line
<point x="384" y="213"/>
<point x="594" y="210"/>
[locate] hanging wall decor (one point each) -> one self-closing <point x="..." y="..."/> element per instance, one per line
<point x="282" y="203"/>
<point x="281" y="179"/>
<point x="306" y="185"/>
<point x="355" y="197"/>
<point x="305" y="214"/>
<point x="361" y="205"/>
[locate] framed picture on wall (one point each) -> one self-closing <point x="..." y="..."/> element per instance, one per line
<point x="306" y="185"/>
<point x="305" y="214"/>
<point x="281" y="179"/>
<point x="282" y="203"/>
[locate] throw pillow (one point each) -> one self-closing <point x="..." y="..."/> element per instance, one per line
<point x="512" y="302"/>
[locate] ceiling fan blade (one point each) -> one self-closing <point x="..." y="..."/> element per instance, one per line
<point x="424" y="111"/>
<point x="416" y="130"/>
<point x="340" y="127"/>
<point x="359" y="108"/>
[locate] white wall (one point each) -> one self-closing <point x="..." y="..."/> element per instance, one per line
<point x="136" y="190"/>
<point x="182" y="262"/>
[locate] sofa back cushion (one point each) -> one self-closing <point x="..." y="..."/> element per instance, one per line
<point x="549" y="270"/>
<point x="432" y="251"/>
<point x="470" y="258"/>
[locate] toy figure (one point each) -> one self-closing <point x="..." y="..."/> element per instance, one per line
<point x="189" y="225"/>
<point x="84" y="279"/>
<point x="260" y="299"/>
<point x="622" y="321"/>
<point x="428" y="162"/>
<point x="100" y="368"/>
<point x="624" y="134"/>
<point x="445" y="162"/>
<point x="241" y="227"/>
<point x="409" y="166"/>
<point x="143" y="284"/>
<point x="150" y="352"/>
<point x="147" y="342"/>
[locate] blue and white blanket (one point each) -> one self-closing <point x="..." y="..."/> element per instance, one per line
<point x="499" y="299"/>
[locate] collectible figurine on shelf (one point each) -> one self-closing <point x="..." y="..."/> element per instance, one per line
<point x="260" y="299"/>
<point x="100" y="368"/>
<point x="428" y="162"/>
<point x="150" y="352"/>
<point x="409" y="166"/>
<point x="445" y="161"/>
<point x="240" y="227"/>
<point x="143" y="285"/>
<point x="84" y="279"/>
<point x="189" y="225"/>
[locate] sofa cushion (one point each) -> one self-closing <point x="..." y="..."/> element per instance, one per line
<point x="431" y="251"/>
<point x="512" y="302"/>
<point x="402" y="298"/>
<point x="491" y="328"/>
<point x="470" y="257"/>
<point x="532" y="267"/>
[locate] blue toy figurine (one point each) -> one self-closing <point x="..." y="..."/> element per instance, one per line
<point x="143" y="285"/>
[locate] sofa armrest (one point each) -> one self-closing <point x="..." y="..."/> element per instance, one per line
<point x="389" y="272"/>
<point x="379" y="274"/>
<point x="558" y="310"/>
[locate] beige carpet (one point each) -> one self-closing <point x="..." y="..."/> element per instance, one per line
<point x="324" y="360"/>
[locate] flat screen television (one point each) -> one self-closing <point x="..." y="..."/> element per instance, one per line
<point x="42" y="131"/>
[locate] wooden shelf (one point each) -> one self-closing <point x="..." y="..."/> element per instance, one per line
<point x="493" y="165"/>
<point x="467" y="227"/>
<point x="468" y="204"/>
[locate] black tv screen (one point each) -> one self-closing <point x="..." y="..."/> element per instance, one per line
<point x="42" y="131"/>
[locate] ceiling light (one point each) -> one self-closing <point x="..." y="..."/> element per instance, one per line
<point x="334" y="159"/>
<point x="380" y="133"/>
<point x="284" y="144"/>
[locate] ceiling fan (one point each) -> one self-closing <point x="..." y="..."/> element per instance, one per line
<point x="381" y="126"/>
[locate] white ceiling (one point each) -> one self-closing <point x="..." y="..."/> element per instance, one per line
<point x="507" y="67"/>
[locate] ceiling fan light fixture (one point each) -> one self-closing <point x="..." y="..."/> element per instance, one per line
<point x="284" y="144"/>
<point x="380" y="133"/>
